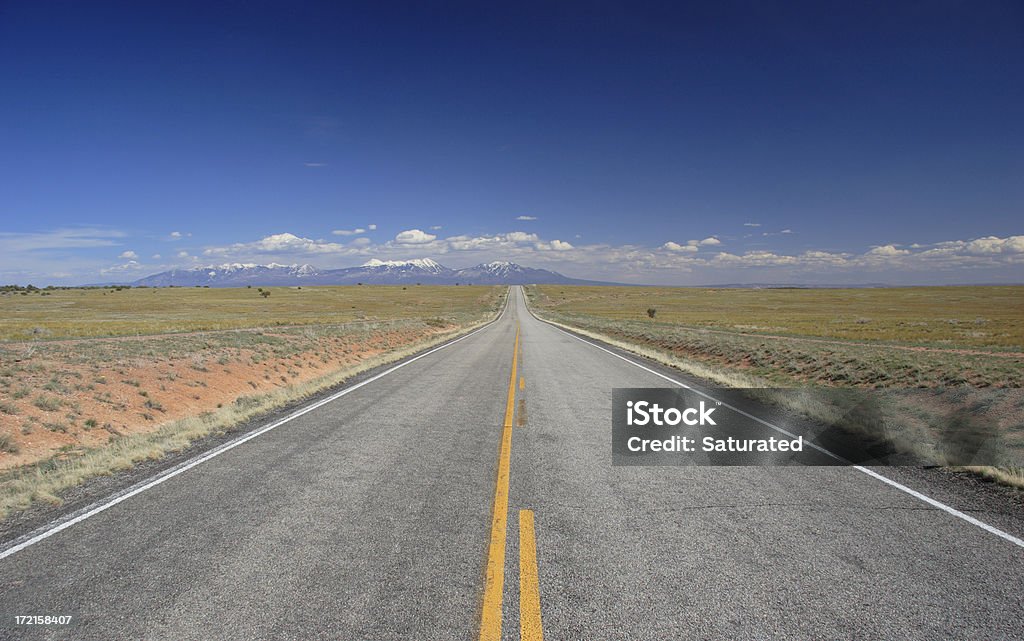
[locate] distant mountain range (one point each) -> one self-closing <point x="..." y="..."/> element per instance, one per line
<point x="378" y="272"/>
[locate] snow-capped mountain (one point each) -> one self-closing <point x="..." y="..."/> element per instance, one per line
<point x="501" y="272"/>
<point x="232" y="275"/>
<point x="377" y="272"/>
<point x="416" y="264"/>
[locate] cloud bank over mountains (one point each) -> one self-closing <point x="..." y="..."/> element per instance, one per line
<point x="77" y="255"/>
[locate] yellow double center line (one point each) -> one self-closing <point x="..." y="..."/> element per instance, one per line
<point x="530" y="628"/>
<point x="529" y="581"/>
<point x="490" y="622"/>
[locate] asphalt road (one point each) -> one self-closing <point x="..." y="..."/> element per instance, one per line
<point x="374" y="516"/>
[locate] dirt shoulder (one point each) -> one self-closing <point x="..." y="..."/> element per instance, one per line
<point x="79" y="496"/>
<point x="63" y="398"/>
<point x="74" y="410"/>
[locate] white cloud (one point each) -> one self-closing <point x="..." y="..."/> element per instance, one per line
<point x="156" y="257"/>
<point x="676" y="247"/>
<point x="521" y="237"/>
<point x="995" y="245"/>
<point x="824" y="258"/>
<point x="349" y="232"/>
<point x="277" y="244"/>
<point x="692" y="245"/>
<point x="526" y="218"/>
<point x="887" y="250"/>
<point x="129" y="254"/>
<point x="414" y="237"/>
<point x="512" y="241"/>
<point x="183" y="254"/>
<point x="754" y="259"/>
<point x="435" y="228"/>
<point x="175" y="235"/>
<point x="130" y="266"/>
<point x="786" y="231"/>
<point x="372" y="227"/>
<point x="507" y="241"/>
<point x="751" y="224"/>
<point x="559" y="245"/>
<point x="315" y="164"/>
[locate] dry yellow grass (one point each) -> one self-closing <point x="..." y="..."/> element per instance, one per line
<point x="961" y="317"/>
<point x="77" y="313"/>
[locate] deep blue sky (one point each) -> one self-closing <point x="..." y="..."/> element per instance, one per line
<point x="860" y="129"/>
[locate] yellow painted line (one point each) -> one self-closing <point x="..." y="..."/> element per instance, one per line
<point x="530" y="628"/>
<point x="494" y="585"/>
<point x="522" y="383"/>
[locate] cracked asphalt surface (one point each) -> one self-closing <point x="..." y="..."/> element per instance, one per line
<point x="369" y="518"/>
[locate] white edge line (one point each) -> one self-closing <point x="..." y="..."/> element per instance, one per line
<point x="899" y="486"/>
<point x="188" y="465"/>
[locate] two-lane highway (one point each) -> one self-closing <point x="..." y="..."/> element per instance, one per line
<point x="470" y="494"/>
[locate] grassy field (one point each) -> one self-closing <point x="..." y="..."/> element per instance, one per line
<point x="73" y="407"/>
<point x="90" y="313"/>
<point x="961" y="317"/>
<point x="933" y="358"/>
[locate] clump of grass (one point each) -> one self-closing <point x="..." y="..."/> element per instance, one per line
<point x="48" y="403"/>
<point x="8" y="445"/>
<point x="54" y="385"/>
<point x="249" y="402"/>
<point x="8" y="408"/>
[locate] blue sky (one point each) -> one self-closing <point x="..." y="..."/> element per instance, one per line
<point x="675" y="143"/>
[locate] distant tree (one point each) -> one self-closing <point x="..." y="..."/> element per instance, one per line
<point x="265" y="293"/>
<point x="651" y="312"/>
